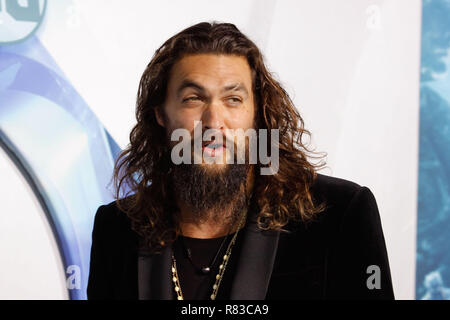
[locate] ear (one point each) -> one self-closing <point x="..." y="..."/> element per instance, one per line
<point x="159" y="116"/>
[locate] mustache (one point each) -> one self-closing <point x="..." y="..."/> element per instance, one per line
<point x="212" y="135"/>
<point x="226" y="141"/>
<point x="188" y="148"/>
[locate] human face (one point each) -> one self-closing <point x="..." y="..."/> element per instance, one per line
<point x="211" y="88"/>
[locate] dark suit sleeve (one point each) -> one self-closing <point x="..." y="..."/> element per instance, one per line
<point x="98" y="285"/>
<point x="359" y="265"/>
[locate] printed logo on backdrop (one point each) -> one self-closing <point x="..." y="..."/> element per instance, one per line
<point x="19" y="19"/>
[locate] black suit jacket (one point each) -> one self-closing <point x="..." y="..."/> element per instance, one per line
<point x="325" y="259"/>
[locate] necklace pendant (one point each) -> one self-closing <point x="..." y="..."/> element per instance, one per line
<point x="206" y="270"/>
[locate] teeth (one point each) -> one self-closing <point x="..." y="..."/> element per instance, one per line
<point x="213" y="145"/>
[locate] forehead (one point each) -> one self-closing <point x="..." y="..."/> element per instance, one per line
<point x="215" y="69"/>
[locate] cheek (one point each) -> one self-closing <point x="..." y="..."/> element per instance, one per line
<point x="178" y="120"/>
<point x="243" y="119"/>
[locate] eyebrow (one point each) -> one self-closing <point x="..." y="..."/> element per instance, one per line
<point x="235" y="87"/>
<point x="187" y="83"/>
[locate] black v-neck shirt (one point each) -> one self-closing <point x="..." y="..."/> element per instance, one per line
<point x="194" y="284"/>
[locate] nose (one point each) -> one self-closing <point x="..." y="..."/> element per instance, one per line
<point x="212" y="118"/>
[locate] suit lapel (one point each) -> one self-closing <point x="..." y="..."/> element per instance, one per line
<point x="253" y="272"/>
<point x="154" y="275"/>
<point x="255" y="264"/>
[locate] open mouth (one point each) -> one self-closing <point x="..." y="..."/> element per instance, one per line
<point x="213" y="148"/>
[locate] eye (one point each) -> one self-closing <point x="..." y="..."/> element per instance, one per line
<point x="234" y="100"/>
<point x="192" y="98"/>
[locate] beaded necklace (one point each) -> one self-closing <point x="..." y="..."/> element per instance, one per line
<point x="222" y="267"/>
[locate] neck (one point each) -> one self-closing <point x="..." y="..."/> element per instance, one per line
<point x="206" y="230"/>
<point x="211" y="228"/>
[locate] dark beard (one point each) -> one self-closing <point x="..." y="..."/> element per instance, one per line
<point x="214" y="195"/>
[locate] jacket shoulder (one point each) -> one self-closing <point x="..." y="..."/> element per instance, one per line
<point x="334" y="191"/>
<point x="110" y="219"/>
<point x="344" y="200"/>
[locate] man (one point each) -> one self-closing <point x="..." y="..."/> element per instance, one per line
<point x="192" y="228"/>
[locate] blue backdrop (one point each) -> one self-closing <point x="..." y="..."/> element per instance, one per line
<point x="433" y="224"/>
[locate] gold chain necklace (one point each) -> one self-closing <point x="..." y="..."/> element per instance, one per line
<point x="222" y="267"/>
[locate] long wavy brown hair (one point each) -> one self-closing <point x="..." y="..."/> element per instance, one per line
<point x="142" y="168"/>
